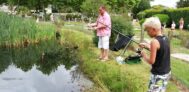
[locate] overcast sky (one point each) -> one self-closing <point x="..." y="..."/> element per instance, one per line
<point x="168" y="3"/>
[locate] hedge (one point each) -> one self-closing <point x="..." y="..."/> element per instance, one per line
<point x="174" y="15"/>
<point x="164" y="18"/>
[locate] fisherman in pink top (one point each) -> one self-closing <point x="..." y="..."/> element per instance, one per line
<point x="103" y="28"/>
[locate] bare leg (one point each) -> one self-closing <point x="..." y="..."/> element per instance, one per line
<point x="101" y="53"/>
<point x="105" y="54"/>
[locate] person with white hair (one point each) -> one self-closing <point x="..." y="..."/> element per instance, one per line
<point x="159" y="56"/>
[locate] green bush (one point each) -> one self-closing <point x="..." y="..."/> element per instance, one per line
<point x="164" y="18"/>
<point x="174" y="15"/>
<point x="72" y="16"/>
<point x="121" y="24"/>
<point x="22" y="10"/>
<point x="148" y="13"/>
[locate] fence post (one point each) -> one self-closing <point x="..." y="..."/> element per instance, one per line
<point x="170" y="36"/>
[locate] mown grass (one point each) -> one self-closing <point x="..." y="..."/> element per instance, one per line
<point x="109" y="76"/>
<point x="180" y="71"/>
<point x="15" y="31"/>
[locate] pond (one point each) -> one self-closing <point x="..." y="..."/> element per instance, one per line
<point x="45" y="67"/>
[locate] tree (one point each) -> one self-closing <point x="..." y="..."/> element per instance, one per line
<point x="67" y="5"/>
<point x="122" y="6"/>
<point x="92" y="10"/>
<point x="183" y="3"/>
<point x="3" y="1"/>
<point x="159" y="7"/>
<point x="143" y="5"/>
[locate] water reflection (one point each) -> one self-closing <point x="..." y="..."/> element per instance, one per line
<point x="46" y="67"/>
<point x="47" y="56"/>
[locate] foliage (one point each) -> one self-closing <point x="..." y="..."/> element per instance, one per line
<point x="115" y="6"/>
<point x="122" y="6"/>
<point x="67" y="5"/>
<point x="22" y="10"/>
<point x="159" y="7"/>
<point x="164" y="19"/>
<point x="142" y="21"/>
<point x="92" y="10"/>
<point x="121" y="24"/>
<point x="72" y="16"/>
<point x="174" y="14"/>
<point x="143" y="5"/>
<point x="183" y="3"/>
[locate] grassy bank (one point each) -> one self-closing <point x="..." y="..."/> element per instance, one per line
<point x="109" y="76"/>
<point x="16" y="31"/>
<point x="180" y="71"/>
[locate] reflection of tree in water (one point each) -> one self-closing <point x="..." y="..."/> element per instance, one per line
<point x="47" y="56"/>
<point x="52" y="59"/>
<point x="25" y="58"/>
<point x="5" y="59"/>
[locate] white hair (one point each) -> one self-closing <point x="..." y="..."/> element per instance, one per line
<point x="152" y="22"/>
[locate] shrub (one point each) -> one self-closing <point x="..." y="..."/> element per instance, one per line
<point x="22" y="10"/>
<point x="176" y="14"/>
<point x="72" y="16"/>
<point x="148" y="13"/>
<point x="164" y="18"/>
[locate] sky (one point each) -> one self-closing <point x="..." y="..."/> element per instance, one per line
<point x="168" y="3"/>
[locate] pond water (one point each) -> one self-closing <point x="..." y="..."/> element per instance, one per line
<point x="46" y="67"/>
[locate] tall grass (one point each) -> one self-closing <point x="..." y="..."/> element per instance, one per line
<point x="15" y="30"/>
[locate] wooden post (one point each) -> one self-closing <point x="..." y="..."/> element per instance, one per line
<point x="142" y="34"/>
<point x="170" y="36"/>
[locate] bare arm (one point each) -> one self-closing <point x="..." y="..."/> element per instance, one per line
<point x="92" y="24"/>
<point x="154" y="46"/>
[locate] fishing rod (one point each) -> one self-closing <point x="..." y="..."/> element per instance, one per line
<point x="121" y="33"/>
<point x="120" y="59"/>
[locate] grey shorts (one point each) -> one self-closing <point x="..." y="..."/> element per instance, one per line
<point x="158" y="83"/>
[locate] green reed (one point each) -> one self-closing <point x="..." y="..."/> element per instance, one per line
<point x="17" y="31"/>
